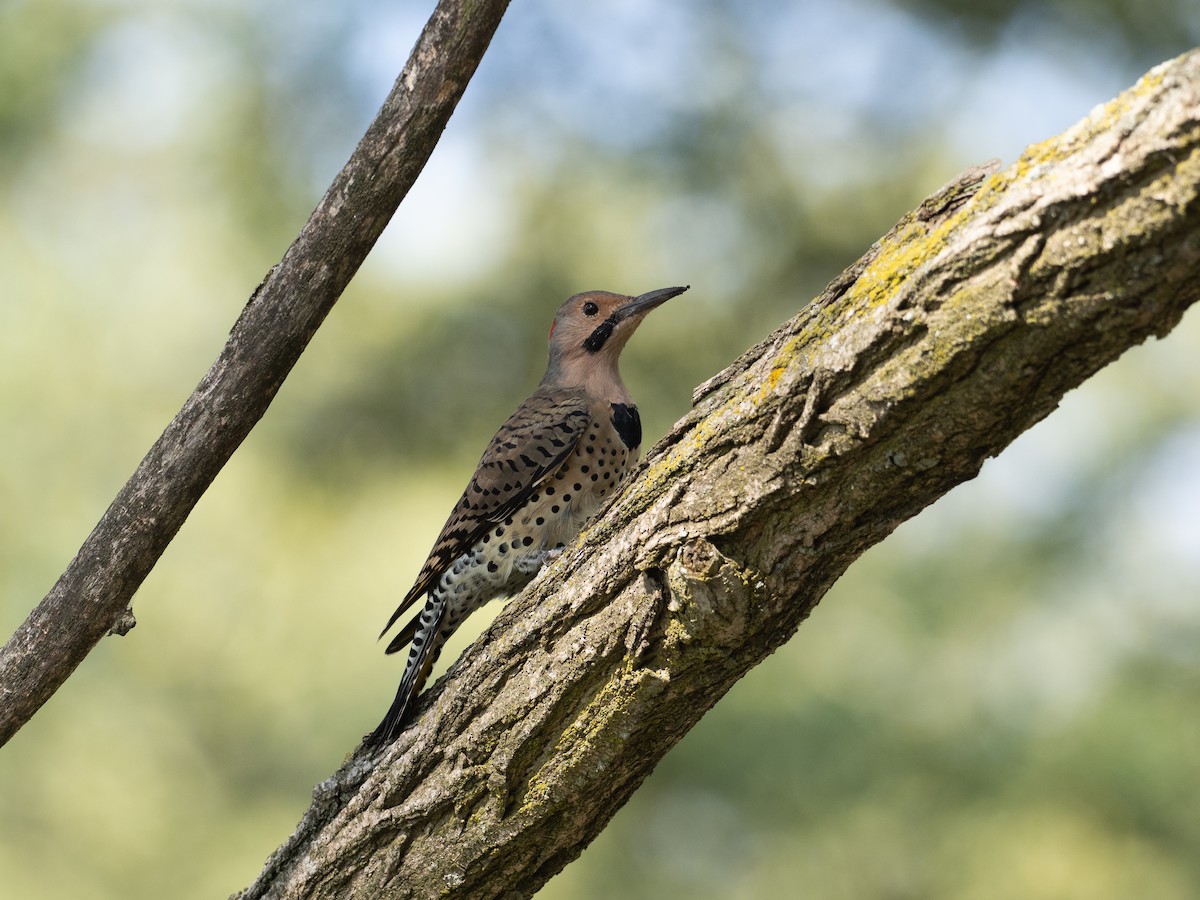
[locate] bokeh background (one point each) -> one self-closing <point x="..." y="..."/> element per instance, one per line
<point x="1000" y="701"/>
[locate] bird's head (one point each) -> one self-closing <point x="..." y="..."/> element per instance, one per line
<point x="590" y="330"/>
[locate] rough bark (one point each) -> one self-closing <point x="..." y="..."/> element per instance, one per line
<point x="92" y="596"/>
<point x="957" y="331"/>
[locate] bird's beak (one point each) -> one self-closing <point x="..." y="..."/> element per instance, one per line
<point x="646" y="302"/>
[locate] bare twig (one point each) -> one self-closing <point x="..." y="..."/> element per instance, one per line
<point x="92" y="595"/>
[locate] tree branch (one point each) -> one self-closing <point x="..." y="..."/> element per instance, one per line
<point x="957" y="331"/>
<point x="93" y="594"/>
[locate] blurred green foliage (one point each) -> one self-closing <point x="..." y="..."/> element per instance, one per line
<point x="999" y="701"/>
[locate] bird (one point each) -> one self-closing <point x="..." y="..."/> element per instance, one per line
<point x="544" y="473"/>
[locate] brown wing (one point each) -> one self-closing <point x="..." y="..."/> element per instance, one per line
<point x="529" y="448"/>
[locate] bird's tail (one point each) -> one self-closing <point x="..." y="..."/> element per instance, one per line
<point x="426" y="647"/>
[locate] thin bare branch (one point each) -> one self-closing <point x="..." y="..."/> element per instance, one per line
<point x="92" y="595"/>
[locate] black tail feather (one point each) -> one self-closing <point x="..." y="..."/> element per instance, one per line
<point x="389" y="729"/>
<point x="426" y="647"/>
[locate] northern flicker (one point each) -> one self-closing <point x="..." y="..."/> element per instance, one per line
<point x="543" y="475"/>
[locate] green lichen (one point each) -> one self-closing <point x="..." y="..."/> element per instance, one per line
<point x="589" y="740"/>
<point x="902" y="253"/>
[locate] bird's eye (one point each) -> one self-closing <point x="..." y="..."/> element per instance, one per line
<point x="590" y="308"/>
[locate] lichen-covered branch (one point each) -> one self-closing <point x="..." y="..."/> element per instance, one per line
<point x="91" y="598"/>
<point x="960" y="329"/>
